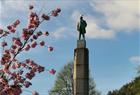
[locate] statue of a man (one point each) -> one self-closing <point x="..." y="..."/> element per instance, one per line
<point x="81" y="27"/>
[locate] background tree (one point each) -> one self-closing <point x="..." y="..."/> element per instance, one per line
<point x="132" y="88"/>
<point x="14" y="73"/>
<point x="64" y="82"/>
<point x="138" y="70"/>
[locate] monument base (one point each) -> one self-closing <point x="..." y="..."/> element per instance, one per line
<point x="81" y="69"/>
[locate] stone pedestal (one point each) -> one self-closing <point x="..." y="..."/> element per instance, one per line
<point x="81" y="69"/>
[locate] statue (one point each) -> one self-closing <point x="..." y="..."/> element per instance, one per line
<point x="81" y="27"/>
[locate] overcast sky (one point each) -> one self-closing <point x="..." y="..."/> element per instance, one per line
<point x="112" y="38"/>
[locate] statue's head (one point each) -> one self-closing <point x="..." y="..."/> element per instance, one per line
<point x="81" y="18"/>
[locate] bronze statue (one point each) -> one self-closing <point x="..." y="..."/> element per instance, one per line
<point x="81" y="27"/>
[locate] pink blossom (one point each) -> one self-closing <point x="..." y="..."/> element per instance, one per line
<point x="58" y="10"/>
<point x="9" y="27"/>
<point x="4" y="44"/>
<point x="50" y="48"/>
<point x="52" y="71"/>
<point x="27" y="47"/>
<point x="17" y="22"/>
<point x="27" y="84"/>
<point x="46" y="33"/>
<point x="30" y="75"/>
<point x="45" y="17"/>
<point x="14" y="46"/>
<point x="41" y="69"/>
<point x="54" y="13"/>
<point x="31" y="7"/>
<point x="42" y="43"/>
<point x="17" y="41"/>
<point x="35" y="93"/>
<point x="39" y="33"/>
<point x="35" y="37"/>
<point x="33" y="45"/>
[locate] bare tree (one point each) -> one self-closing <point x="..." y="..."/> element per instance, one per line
<point x="64" y="82"/>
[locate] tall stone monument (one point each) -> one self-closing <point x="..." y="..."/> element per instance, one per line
<point x="81" y="67"/>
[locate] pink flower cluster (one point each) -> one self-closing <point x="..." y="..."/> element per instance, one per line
<point x="14" y="74"/>
<point x="12" y="28"/>
<point x="54" y="13"/>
